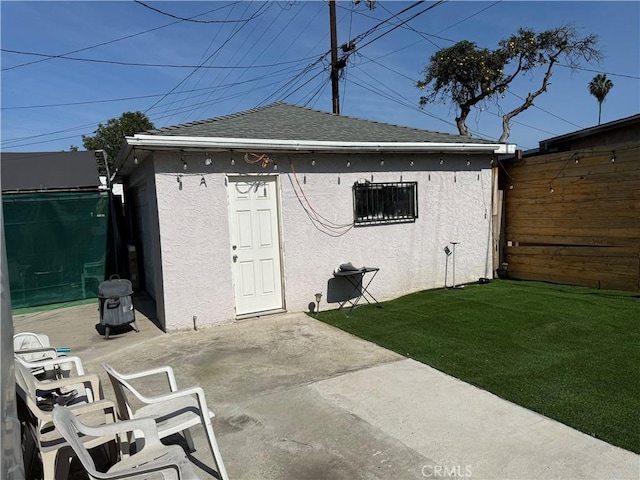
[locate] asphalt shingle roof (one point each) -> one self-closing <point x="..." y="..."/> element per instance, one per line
<point x="283" y="121"/>
<point x="49" y="171"/>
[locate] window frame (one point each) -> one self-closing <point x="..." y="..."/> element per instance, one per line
<point x="384" y="203"/>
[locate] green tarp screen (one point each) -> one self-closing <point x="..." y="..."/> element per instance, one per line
<point x="56" y="246"/>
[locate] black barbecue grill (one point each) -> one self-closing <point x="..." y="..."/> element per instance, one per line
<point x="116" y="304"/>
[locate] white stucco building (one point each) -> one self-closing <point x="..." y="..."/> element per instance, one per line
<point x="250" y="213"/>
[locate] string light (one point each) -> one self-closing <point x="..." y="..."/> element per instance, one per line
<point x="275" y="165"/>
<point x="233" y="162"/>
<point x="207" y="160"/>
<point x="135" y="157"/>
<point x="381" y="160"/>
<point x="348" y="163"/>
<point x="441" y="160"/>
<point x="313" y="159"/>
<point x="184" y="161"/>
<point x="411" y="162"/>
<point x="575" y="157"/>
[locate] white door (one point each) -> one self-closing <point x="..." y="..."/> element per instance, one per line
<point x="255" y="244"/>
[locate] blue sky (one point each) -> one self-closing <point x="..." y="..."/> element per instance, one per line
<point x="267" y="52"/>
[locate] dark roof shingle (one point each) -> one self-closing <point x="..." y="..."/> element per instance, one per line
<point x="283" y="121"/>
<point x="49" y="171"/>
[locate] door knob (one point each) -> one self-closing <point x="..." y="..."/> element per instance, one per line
<point x="235" y="258"/>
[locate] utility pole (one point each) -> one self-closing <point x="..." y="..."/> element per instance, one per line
<point x="335" y="93"/>
<point x="347" y="48"/>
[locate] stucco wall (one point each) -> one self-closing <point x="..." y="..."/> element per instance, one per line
<point x="142" y="208"/>
<point x="454" y="205"/>
<point x="194" y="228"/>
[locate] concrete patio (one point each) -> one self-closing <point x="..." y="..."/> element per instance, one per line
<point x="297" y="399"/>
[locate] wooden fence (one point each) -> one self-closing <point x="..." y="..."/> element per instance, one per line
<point x="574" y="217"/>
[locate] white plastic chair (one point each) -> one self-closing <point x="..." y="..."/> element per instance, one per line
<point x="64" y="367"/>
<point x="153" y="460"/>
<point x="32" y="347"/>
<point x="173" y="412"/>
<point x="27" y="340"/>
<point x="38" y="420"/>
<point x="63" y="370"/>
<point x="34" y="352"/>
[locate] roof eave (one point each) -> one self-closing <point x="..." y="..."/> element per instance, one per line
<point x="225" y="144"/>
<point x="585" y="132"/>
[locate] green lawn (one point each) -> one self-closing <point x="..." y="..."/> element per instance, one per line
<point x="570" y="353"/>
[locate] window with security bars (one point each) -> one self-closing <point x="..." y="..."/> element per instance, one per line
<point x="378" y="203"/>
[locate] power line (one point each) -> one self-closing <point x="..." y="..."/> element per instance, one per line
<point x="440" y="2"/>
<point x="142" y="97"/>
<point x="300" y="74"/>
<point x="633" y="77"/>
<point x="427" y="35"/>
<point x="251" y="48"/>
<point x="155" y="65"/>
<point x="516" y="122"/>
<point x="87" y="102"/>
<point x="15" y="142"/>
<point x="290" y="84"/>
<point x="535" y="106"/>
<point x="305" y="83"/>
<point x="209" y="57"/>
<point x="183" y="19"/>
<point x="353" y="45"/>
<point x="363" y="35"/>
<point x="546" y="111"/>
<point x="424" y="36"/>
<point x="317" y="95"/>
<point x="445" y="121"/>
<point x="202" y="73"/>
<point x="109" y="42"/>
<point x="470" y="16"/>
<point x="406" y="26"/>
<point x="401" y="100"/>
<point x="309" y="91"/>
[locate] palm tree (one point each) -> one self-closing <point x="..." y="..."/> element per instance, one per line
<point x="599" y="87"/>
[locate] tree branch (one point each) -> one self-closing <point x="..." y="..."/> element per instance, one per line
<point x="506" y="118"/>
